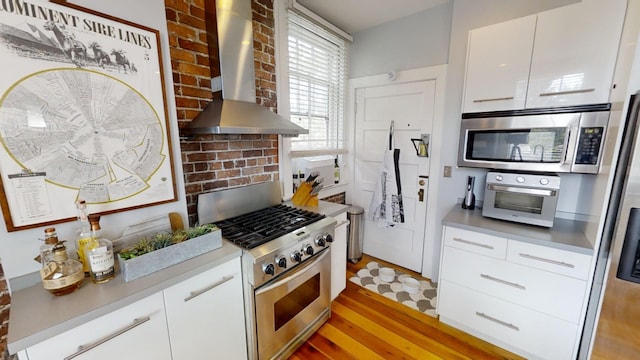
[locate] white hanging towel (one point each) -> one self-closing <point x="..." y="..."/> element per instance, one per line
<point x="386" y="205"/>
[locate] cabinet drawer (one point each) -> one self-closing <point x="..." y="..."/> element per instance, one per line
<point x="522" y="330"/>
<point x="476" y="242"/>
<point x="549" y="259"/>
<point x="553" y="294"/>
<point x="137" y="331"/>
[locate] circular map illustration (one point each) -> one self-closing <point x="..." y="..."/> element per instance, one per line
<point x="85" y="130"/>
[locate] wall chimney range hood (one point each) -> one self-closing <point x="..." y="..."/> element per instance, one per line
<point x="237" y="111"/>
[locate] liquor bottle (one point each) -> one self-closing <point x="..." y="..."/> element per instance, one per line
<point x="82" y="234"/>
<point x="61" y="275"/>
<point x="336" y="171"/>
<point x="99" y="254"/>
<point x="46" y="249"/>
<point x="295" y="182"/>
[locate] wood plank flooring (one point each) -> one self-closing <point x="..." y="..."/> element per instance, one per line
<point x="366" y="325"/>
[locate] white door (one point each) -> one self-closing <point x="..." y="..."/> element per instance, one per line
<point x="410" y="106"/>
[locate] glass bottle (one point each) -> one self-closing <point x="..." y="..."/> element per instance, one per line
<point x="99" y="254"/>
<point x="46" y="249"/>
<point x="82" y="234"/>
<point x="336" y="171"/>
<point x="61" y="275"/>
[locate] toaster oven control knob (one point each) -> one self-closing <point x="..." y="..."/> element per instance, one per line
<point x="269" y="269"/>
<point x="282" y="261"/>
<point x="308" y="249"/>
<point x="520" y="179"/>
<point x="296" y="256"/>
<point x="328" y="238"/>
<point x="544" y="181"/>
<point x="499" y="177"/>
<point x="320" y="241"/>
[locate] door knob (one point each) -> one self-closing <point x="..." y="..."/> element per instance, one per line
<point x="421" y="195"/>
<point x="421" y="182"/>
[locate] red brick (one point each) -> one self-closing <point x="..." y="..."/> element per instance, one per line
<point x="226" y="155"/>
<point x="198" y="177"/>
<point x="226" y="174"/>
<point x="252" y="153"/>
<point x="239" y="181"/>
<point x="194" y="157"/>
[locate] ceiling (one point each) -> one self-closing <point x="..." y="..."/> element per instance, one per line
<point x="357" y="15"/>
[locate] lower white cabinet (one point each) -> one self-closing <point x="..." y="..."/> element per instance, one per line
<point x="524" y="297"/>
<point x="137" y="331"/>
<point x="199" y="318"/>
<point x="206" y="315"/>
<point x="339" y="256"/>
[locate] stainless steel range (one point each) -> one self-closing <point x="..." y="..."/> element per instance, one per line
<point x="286" y="264"/>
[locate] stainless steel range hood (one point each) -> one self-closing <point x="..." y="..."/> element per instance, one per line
<point x="237" y="111"/>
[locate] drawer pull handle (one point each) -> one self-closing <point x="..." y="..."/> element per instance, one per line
<point x="197" y="293"/>
<point x="473" y="243"/>
<point x="504" y="282"/>
<point x="493" y="99"/>
<point x="554" y="262"/>
<point x="568" y="92"/>
<point x="491" y="318"/>
<point x="84" y="348"/>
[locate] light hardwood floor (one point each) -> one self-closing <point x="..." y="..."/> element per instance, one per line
<point x="366" y="325"/>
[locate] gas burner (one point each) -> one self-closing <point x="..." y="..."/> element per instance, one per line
<point x="261" y="226"/>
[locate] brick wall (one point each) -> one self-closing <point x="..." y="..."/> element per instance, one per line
<point x="213" y="162"/>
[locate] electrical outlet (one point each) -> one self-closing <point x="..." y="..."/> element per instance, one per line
<point x="447" y="171"/>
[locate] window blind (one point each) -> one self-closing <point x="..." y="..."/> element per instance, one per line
<point x="317" y="83"/>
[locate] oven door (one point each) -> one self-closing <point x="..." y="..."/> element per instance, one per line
<point x="290" y="309"/>
<point x="527" y="205"/>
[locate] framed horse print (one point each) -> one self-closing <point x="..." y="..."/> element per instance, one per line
<point x="83" y="114"/>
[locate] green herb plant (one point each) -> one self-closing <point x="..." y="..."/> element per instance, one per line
<point x="164" y="239"/>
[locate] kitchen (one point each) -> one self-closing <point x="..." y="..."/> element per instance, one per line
<point x="466" y="15"/>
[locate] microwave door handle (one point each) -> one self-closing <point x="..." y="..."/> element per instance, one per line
<point x="570" y="149"/>
<point x="527" y="191"/>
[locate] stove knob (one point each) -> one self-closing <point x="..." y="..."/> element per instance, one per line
<point x="296" y="256"/>
<point x="544" y="181"/>
<point x="320" y="241"/>
<point x="269" y="269"/>
<point x="308" y="249"/>
<point x="281" y="261"/>
<point x="328" y="238"/>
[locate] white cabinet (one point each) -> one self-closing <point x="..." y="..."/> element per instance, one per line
<point x="137" y="331"/>
<point x="498" y="61"/>
<point x="339" y="256"/>
<point x="570" y="55"/>
<point x="521" y="296"/>
<point x="206" y="315"/>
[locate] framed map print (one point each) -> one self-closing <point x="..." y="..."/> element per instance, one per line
<point x="82" y="114"/>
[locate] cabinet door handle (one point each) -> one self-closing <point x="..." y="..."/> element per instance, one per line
<point x="473" y="243"/>
<point x="554" y="262"/>
<point x="505" y="282"/>
<point x="568" y="92"/>
<point x="493" y="99"/>
<point x="197" y="293"/>
<point x="503" y="323"/>
<point x="84" y="348"/>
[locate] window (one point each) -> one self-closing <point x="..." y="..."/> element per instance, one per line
<point x="317" y="82"/>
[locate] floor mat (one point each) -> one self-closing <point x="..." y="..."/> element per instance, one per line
<point x="424" y="300"/>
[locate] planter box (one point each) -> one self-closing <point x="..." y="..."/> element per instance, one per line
<point x="148" y="263"/>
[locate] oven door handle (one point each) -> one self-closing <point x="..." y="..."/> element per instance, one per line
<point x="297" y="273"/>
<point x="527" y="191"/>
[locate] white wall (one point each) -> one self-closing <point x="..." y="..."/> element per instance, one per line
<point x="416" y="41"/>
<point x="17" y="249"/>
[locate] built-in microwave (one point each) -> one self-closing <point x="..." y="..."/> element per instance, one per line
<point x="565" y="139"/>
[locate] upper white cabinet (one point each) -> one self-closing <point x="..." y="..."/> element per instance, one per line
<point x="561" y="57"/>
<point x="498" y="60"/>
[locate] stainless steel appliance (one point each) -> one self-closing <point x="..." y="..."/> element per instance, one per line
<point x="566" y="139"/>
<point x="286" y="264"/>
<point x="520" y="197"/>
<point x="611" y="324"/>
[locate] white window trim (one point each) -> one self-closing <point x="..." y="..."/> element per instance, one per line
<point x="285" y="155"/>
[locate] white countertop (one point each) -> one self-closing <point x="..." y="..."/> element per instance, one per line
<point x="565" y="234"/>
<point x="37" y="315"/>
